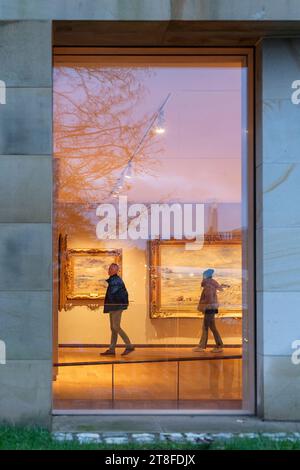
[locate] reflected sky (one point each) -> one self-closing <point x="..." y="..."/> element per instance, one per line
<point x="101" y="120"/>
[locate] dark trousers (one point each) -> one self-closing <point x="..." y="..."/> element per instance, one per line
<point x="209" y="323"/>
<point x="115" y="326"/>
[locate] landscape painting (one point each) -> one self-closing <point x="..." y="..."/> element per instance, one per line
<point x="176" y="275"/>
<point x="88" y="272"/>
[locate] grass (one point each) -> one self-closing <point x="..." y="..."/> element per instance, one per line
<point x="16" y="438"/>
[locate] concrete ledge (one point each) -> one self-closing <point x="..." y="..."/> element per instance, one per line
<point x="170" y="424"/>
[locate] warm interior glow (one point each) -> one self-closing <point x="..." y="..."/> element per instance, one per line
<point x="156" y="130"/>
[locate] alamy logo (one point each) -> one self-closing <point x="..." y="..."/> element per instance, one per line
<point x="2" y="353"/>
<point x="2" y="92"/>
<point x="296" y="94"/>
<point x="296" y="354"/>
<point x="143" y="222"/>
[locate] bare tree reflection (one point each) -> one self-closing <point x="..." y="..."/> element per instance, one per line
<point x="97" y="127"/>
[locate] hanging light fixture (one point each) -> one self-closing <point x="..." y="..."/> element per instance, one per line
<point x="160" y="126"/>
<point x="128" y="171"/>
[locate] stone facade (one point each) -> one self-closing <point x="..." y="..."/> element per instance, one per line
<point x="145" y="10"/>
<point x="25" y="221"/>
<point x="26" y="193"/>
<point x="278" y="230"/>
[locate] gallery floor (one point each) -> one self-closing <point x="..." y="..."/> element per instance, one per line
<point x="148" y="378"/>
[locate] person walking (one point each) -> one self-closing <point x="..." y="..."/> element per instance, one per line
<point x="208" y="305"/>
<point x="116" y="300"/>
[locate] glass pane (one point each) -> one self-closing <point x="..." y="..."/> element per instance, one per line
<point x="151" y="179"/>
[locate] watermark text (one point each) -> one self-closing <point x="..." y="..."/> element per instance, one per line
<point x="295" y="97"/>
<point x="2" y="92"/>
<point x="154" y="221"/>
<point x="295" y="358"/>
<point x="2" y="353"/>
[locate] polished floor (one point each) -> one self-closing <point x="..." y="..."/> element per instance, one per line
<point x="149" y="378"/>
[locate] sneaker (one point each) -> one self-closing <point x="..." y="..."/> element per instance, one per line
<point x="198" y="349"/>
<point x="109" y="352"/>
<point x="217" y="350"/>
<point x="127" y="351"/>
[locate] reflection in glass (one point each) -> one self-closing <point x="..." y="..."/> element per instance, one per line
<point x="164" y="131"/>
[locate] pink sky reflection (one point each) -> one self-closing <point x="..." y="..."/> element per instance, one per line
<point x="201" y="151"/>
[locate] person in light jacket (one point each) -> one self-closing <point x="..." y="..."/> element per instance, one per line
<point x="116" y="300"/>
<point x="208" y="305"/>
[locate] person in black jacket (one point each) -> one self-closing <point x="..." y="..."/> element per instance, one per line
<point x="116" y="300"/>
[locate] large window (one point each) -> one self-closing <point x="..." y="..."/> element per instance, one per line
<point x="152" y="158"/>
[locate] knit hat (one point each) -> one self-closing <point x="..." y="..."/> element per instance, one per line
<point x="208" y="273"/>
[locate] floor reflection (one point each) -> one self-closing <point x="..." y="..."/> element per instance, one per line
<point x="181" y="379"/>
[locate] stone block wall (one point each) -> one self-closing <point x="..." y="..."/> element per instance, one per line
<point x="25" y="221"/>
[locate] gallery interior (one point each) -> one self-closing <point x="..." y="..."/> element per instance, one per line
<point x="150" y="149"/>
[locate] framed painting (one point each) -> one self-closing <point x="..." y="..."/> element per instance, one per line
<point x="86" y="274"/>
<point x="176" y="274"/>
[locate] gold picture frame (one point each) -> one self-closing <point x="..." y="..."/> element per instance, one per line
<point x="175" y="288"/>
<point x="83" y="275"/>
<point x="62" y="274"/>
